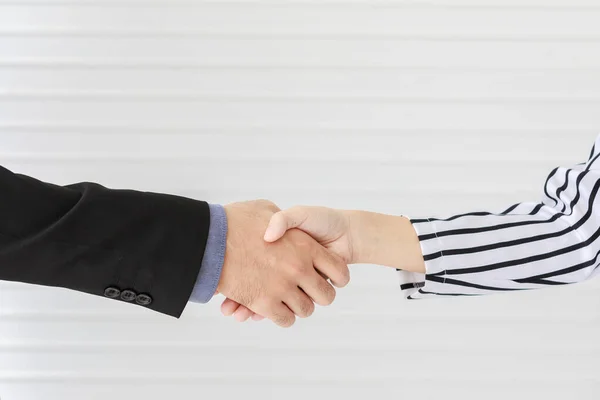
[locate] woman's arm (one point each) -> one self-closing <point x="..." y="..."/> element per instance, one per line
<point x="527" y="246"/>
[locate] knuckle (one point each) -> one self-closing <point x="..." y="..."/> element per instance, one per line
<point x="340" y="273"/>
<point x="344" y="276"/>
<point x="298" y="269"/>
<point x="284" y="321"/>
<point x="299" y="212"/>
<point x="246" y="296"/>
<point x="268" y="204"/>
<point x="244" y="299"/>
<point x="307" y="308"/>
<point x="328" y="294"/>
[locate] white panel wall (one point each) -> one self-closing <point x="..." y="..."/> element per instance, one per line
<point x="416" y="107"/>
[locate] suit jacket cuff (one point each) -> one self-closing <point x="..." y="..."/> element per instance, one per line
<point x="214" y="255"/>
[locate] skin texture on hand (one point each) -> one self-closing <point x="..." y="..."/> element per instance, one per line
<point x="355" y="236"/>
<point x="330" y="227"/>
<point x="276" y="280"/>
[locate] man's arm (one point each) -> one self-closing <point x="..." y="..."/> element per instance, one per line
<point x="149" y="249"/>
<point x="135" y="247"/>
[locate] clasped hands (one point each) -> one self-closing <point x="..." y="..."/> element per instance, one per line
<point x="274" y="271"/>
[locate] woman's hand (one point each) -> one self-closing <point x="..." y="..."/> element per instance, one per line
<point x="328" y="226"/>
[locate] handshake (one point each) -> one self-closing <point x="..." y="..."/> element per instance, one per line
<point x="278" y="264"/>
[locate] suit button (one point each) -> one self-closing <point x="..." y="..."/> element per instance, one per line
<point x="112" y="292"/>
<point x="143" y="299"/>
<point x="128" y="295"/>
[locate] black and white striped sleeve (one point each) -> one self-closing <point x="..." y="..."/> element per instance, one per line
<point x="528" y="246"/>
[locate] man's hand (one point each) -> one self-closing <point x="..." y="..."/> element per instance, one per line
<point x="331" y="228"/>
<point x="276" y="280"/>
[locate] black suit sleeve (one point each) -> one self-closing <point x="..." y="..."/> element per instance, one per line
<point x="136" y="247"/>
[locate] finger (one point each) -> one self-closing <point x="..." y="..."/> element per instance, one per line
<point x="242" y="314"/>
<point x="280" y="314"/>
<point x="253" y="315"/>
<point x="229" y="307"/>
<point x="318" y="289"/>
<point x="331" y="266"/>
<point x="299" y="303"/>
<point x="284" y="220"/>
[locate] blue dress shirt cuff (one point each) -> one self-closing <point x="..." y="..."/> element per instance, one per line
<point x="214" y="255"/>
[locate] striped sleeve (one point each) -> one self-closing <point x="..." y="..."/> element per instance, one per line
<point x="527" y="246"/>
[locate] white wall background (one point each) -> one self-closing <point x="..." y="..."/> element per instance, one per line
<point x="418" y="107"/>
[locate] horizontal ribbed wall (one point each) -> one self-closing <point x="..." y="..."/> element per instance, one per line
<point x="407" y="107"/>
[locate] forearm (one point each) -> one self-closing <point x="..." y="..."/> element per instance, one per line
<point x="136" y="247"/>
<point x="527" y="246"/>
<point x="385" y="240"/>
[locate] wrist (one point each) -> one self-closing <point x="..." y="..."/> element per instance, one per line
<point x="357" y="236"/>
<point x="371" y="235"/>
<point x="384" y="240"/>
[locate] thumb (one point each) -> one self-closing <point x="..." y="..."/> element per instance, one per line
<point x="284" y="220"/>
